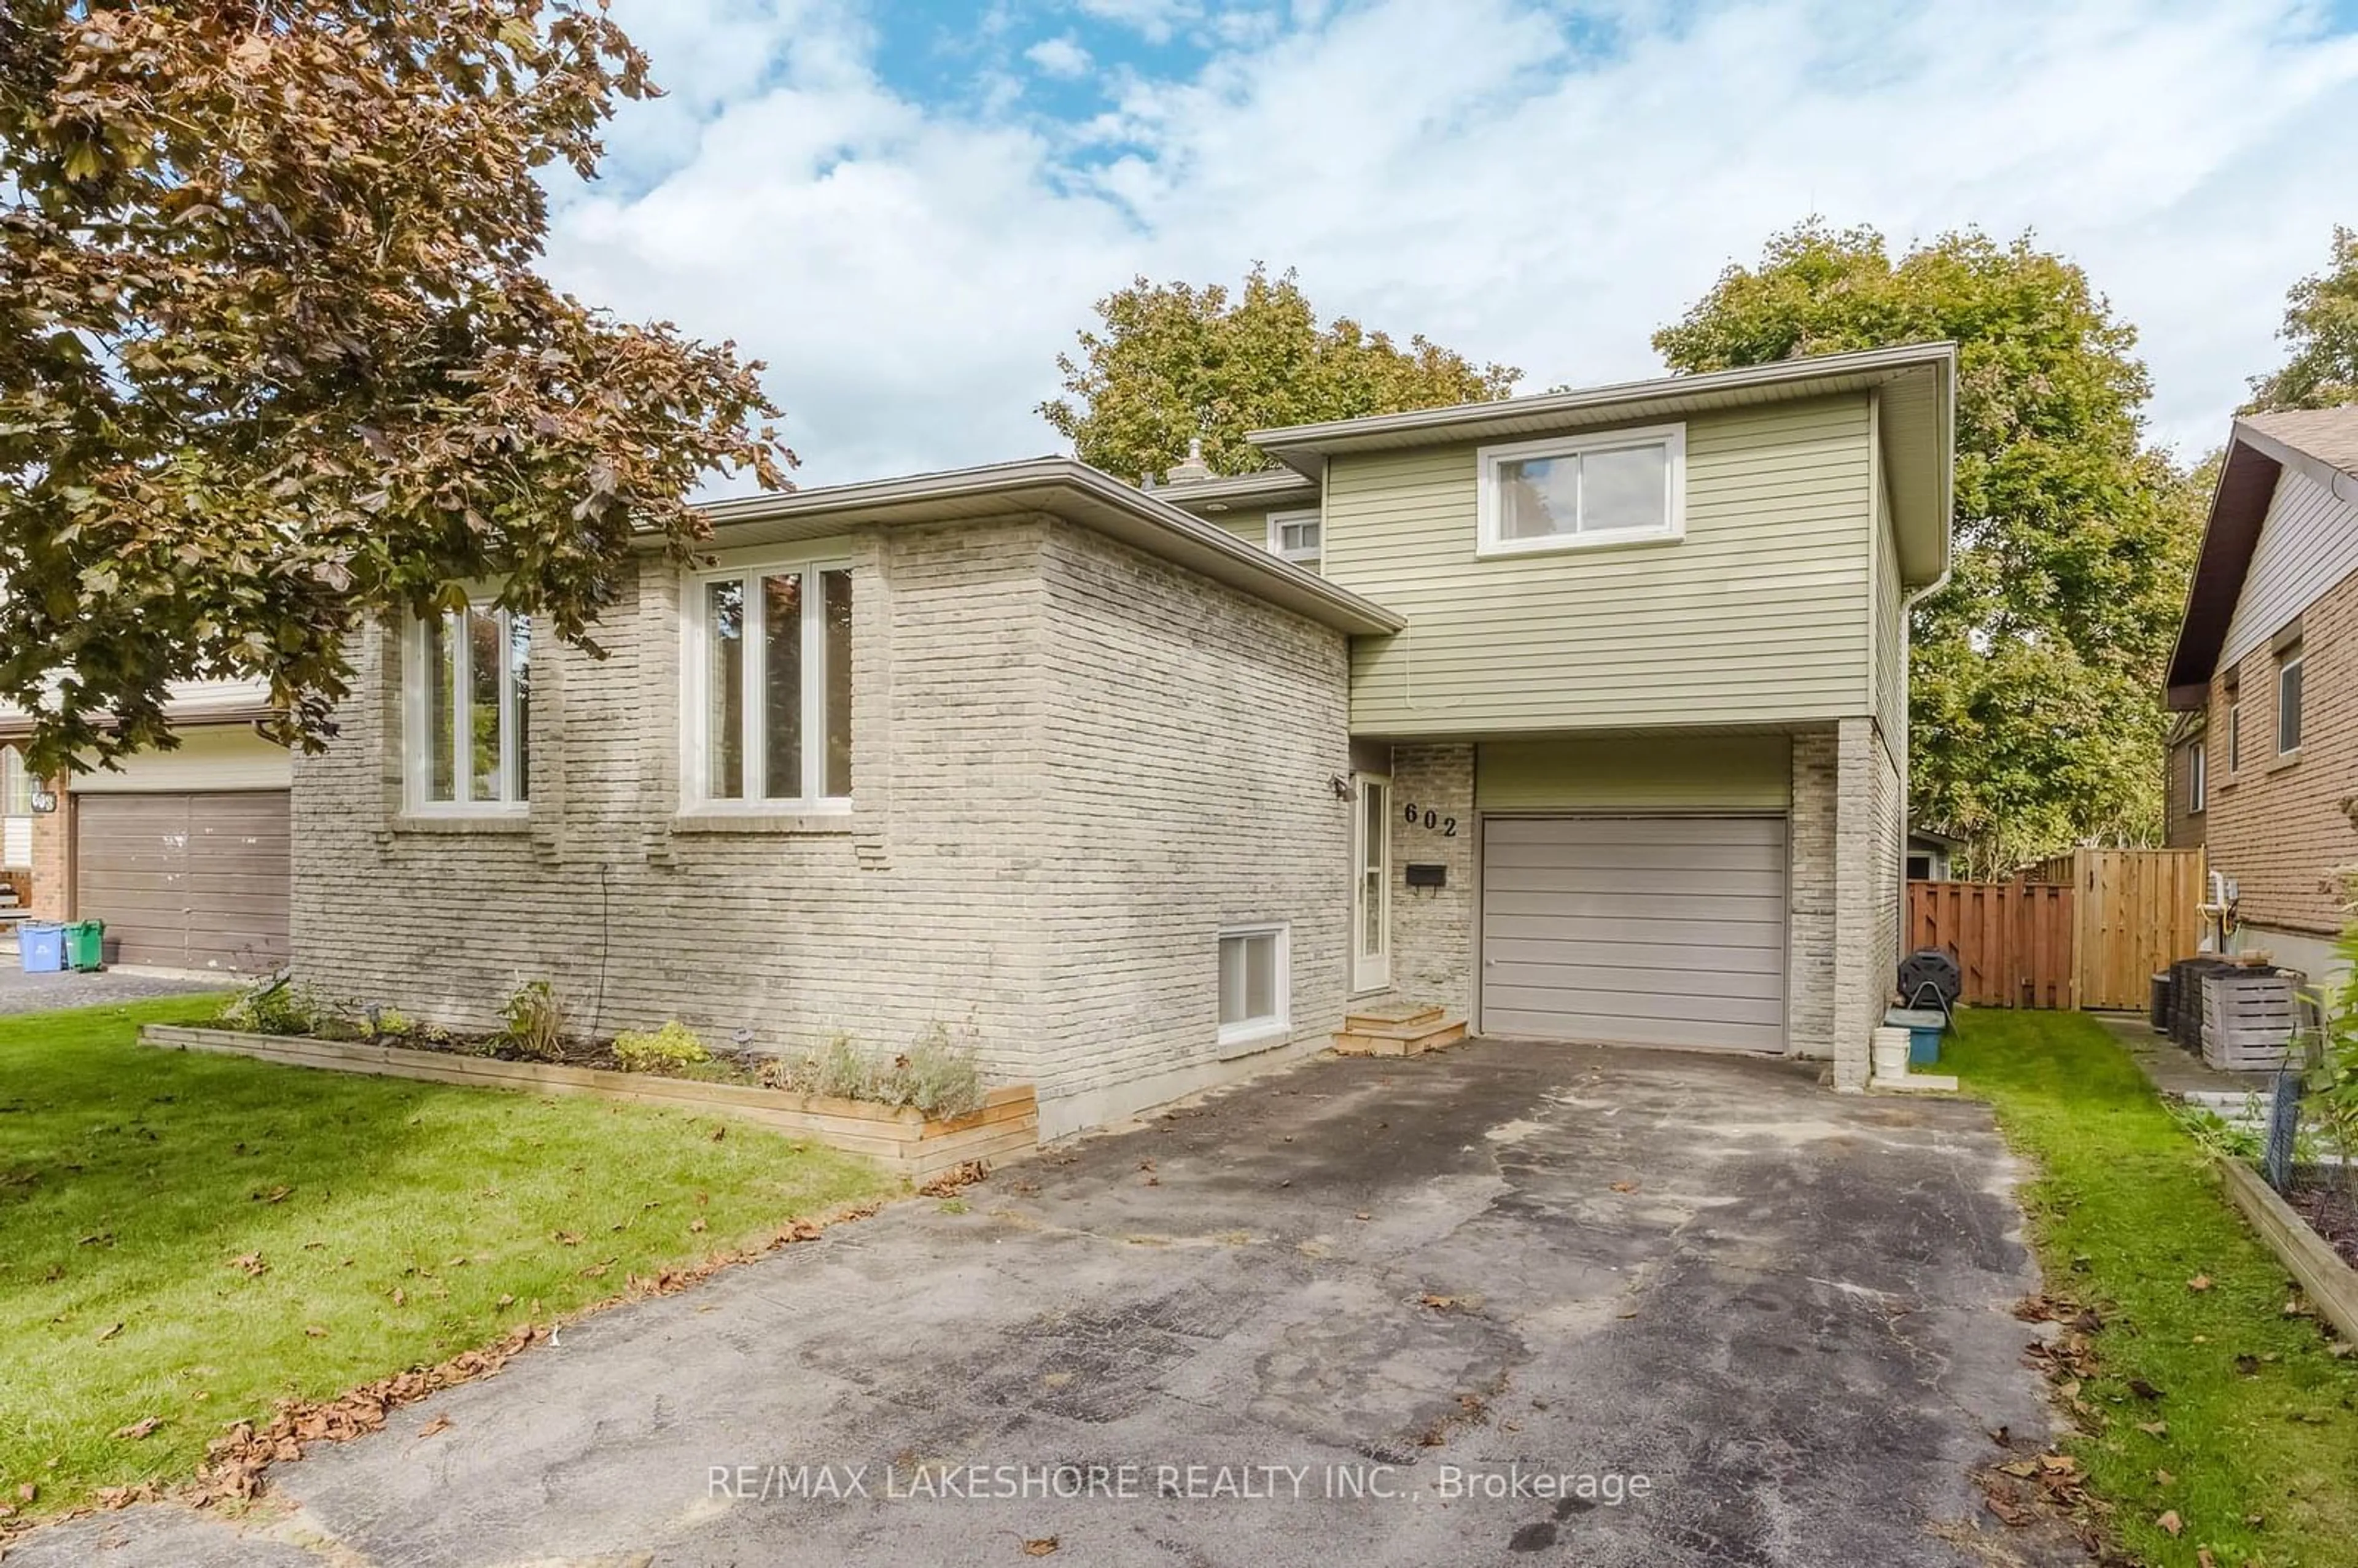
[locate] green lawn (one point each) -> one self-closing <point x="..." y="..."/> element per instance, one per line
<point x="188" y="1238"/>
<point x="2261" y="1447"/>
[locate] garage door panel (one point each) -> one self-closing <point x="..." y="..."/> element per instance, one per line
<point x="1682" y="957"/>
<point x="1640" y="885"/>
<point x="1607" y="1029"/>
<point x="1667" y="930"/>
<point x="1609" y="924"/>
<point x="1607" y="987"/>
<point x="1655" y="832"/>
<point x="187" y="880"/>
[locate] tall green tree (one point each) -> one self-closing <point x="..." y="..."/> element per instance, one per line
<point x="2036" y="718"/>
<point x="2321" y="324"/>
<point x="273" y="356"/>
<point x="1171" y="360"/>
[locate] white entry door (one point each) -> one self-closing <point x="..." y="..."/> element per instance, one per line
<point x="1371" y="887"/>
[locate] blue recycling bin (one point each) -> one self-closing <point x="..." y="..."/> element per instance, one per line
<point x="41" y="946"/>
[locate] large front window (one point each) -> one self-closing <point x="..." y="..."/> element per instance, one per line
<point x="1612" y="489"/>
<point x="770" y="671"/>
<point x="469" y="710"/>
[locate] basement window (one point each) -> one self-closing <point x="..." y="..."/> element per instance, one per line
<point x="467" y="710"/>
<point x="1253" y="982"/>
<point x="1618" y="488"/>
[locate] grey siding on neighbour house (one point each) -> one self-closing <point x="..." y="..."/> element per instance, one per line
<point x="1043" y="842"/>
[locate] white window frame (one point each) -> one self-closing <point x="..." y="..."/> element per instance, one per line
<point x="2286" y="667"/>
<point x="749" y="567"/>
<point x="1672" y="439"/>
<point x="1246" y="1031"/>
<point x="1371" y="971"/>
<point x="418" y="759"/>
<point x="2198" y="779"/>
<point x="1278" y="523"/>
<point x="2234" y="736"/>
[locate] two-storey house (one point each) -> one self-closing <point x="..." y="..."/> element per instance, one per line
<point x="2264" y="759"/>
<point x="1582" y="716"/>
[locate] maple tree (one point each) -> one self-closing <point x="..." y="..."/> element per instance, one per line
<point x="274" y="358"/>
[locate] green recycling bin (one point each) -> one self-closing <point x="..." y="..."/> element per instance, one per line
<point x="83" y="950"/>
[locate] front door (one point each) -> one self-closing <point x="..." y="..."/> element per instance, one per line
<point x="1371" y="889"/>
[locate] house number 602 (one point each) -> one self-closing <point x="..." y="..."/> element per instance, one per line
<point x="1427" y="817"/>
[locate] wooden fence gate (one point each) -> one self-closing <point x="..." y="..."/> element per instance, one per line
<point x="2086" y="929"/>
<point x="2013" y="940"/>
<point x="2133" y="912"/>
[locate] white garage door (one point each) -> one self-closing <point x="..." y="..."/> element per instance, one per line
<point x="1637" y="930"/>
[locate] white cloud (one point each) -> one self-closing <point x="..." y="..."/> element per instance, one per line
<point x="1059" y="57"/>
<point x="910" y="273"/>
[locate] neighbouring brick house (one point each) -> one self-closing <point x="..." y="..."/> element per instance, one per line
<point x="2264" y="764"/>
<point x="1580" y="716"/>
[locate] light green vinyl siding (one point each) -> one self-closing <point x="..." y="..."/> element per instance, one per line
<point x="1760" y="614"/>
<point x="1252" y="527"/>
<point x="1889" y="629"/>
<point x="1662" y="773"/>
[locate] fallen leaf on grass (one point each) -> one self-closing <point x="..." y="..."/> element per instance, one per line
<point x="250" y="1264"/>
<point x="2164" y="1478"/>
<point x="139" y="1428"/>
<point x="565" y="1238"/>
<point x="505" y="1301"/>
<point x="28" y="1492"/>
<point x="2144" y="1390"/>
<point x="1040" y="1547"/>
<point x="697" y="1225"/>
<point x="2200" y="1282"/>
<point x="597" y="1270"/>
<point x="315" y="1330"/>
<point x="2298" y="1308"/>
<point x="400" y="1296"/>
<point x="2203" y="1559"/>
<point x="109" y="1332"/>
<point x="2154" y="1428"/>
<point x="2172" y="1524"/>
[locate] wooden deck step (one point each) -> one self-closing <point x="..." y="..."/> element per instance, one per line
<point x="1397" y="1013"/>
<point x="1401" y="1039"/>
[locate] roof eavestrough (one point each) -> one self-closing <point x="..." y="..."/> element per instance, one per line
<point x="1060" y="487"/>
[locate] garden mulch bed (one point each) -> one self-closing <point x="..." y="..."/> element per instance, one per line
<point x="2329" y="1201"/>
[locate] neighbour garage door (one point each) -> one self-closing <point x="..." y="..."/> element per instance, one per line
<point x="1639" y="930"/>
<point x="186" y="880"/>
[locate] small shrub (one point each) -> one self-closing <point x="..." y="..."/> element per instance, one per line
<point x="275" y="1006"/>
<point x="673" y="1046"/>
<point x="535" y="1023"/>
<point x="843" y="1071"/>
<point x="386" y="1023"/>
<point x="936" y="1076"/>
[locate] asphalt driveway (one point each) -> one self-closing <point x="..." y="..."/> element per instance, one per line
<point x="21" y="992"/>
<point x="1729" y="1316"/>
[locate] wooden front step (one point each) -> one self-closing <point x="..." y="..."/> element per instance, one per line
<point x="1373" y="1018"/>
<point x="1400" y="1039"/>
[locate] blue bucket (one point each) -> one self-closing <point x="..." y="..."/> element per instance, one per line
<point x="1924" y="1025"/>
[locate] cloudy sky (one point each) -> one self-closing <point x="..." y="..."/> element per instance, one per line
<point x="906" y="208"/>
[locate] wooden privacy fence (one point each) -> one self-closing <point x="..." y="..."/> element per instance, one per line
<point x="2132" y="913"/>
<point x="2013" y="940"/>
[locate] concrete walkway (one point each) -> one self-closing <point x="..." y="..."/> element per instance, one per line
<point x="2170" y="1067"/>
<point x="1367" y="1303"/>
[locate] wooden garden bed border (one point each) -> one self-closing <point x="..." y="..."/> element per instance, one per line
<point x="898" y="1138"/>
<point x="2331" y="1284"/>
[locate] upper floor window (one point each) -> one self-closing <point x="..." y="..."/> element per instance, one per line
<point x="769" y="687"/>
<point x="468" y="708"/>
<point x="2288" y="701"/>
<point x="2198" y="777"/>
<point x="1564" y="493"/>
<point x="1296" y="536"/>
<point x="2234" y="733"/>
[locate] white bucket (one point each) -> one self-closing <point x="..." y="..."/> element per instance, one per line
<point x="1891" y="1053"/>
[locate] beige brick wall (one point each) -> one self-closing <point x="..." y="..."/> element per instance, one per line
<point x="947" y="897"/>
<point x="1433" y="928"/>
<point x="1868" y="848"/>
<point x="1191" y="738"/>
<point x="1811" y="893"/>
<point x="51" y="896"/>
<point x="2284" y="830"/>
